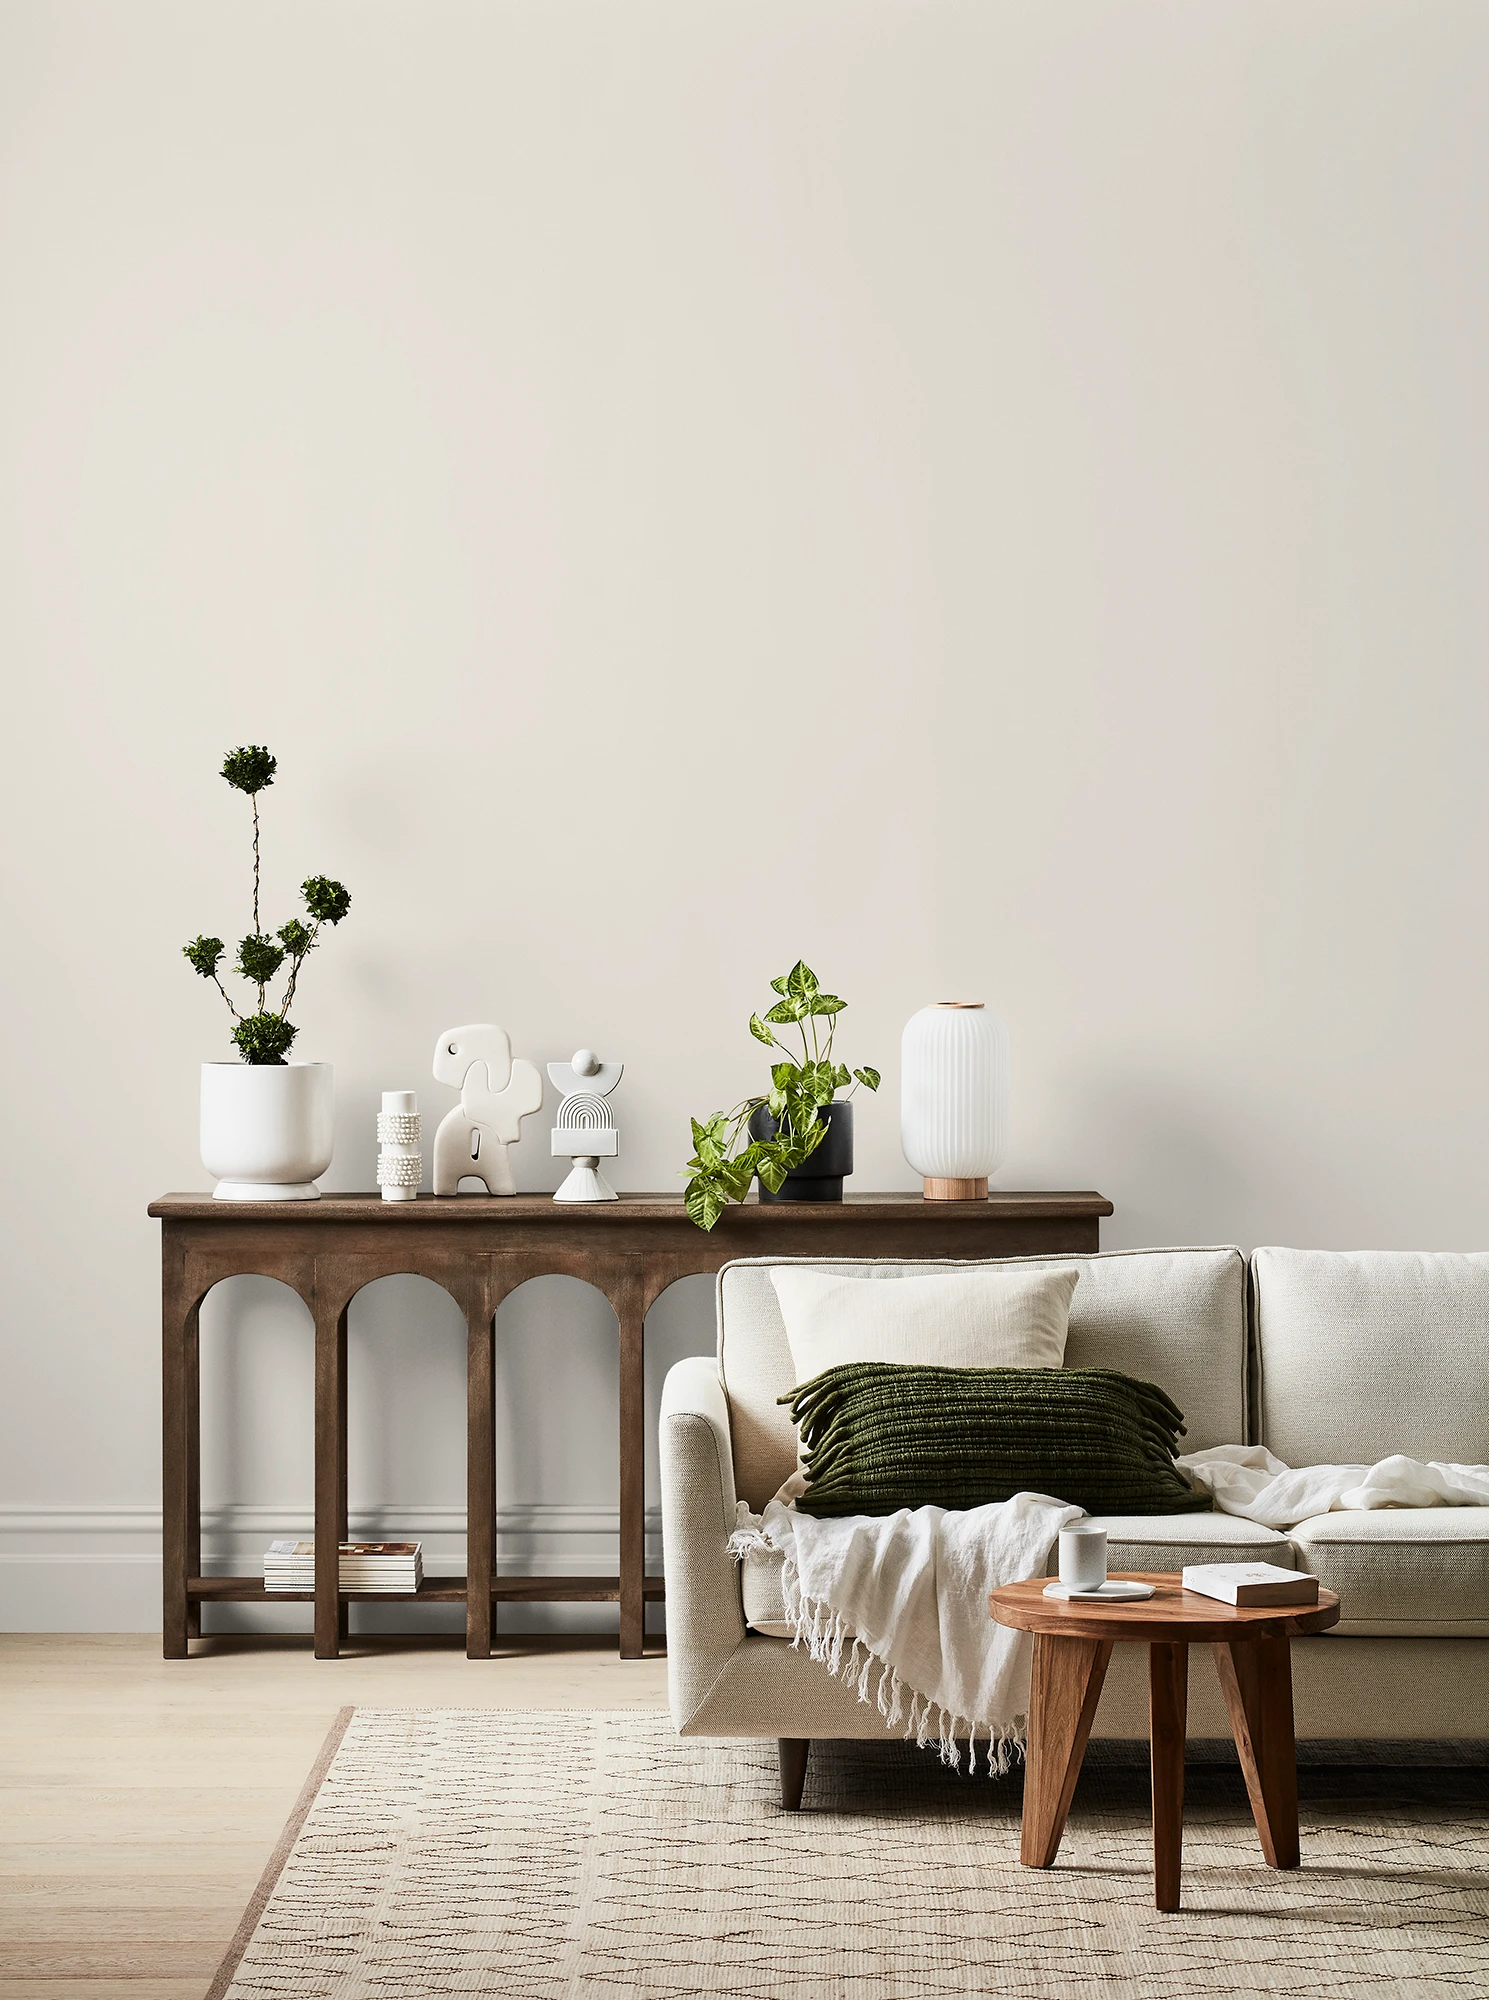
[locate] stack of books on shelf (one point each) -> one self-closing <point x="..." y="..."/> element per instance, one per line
<point x="396" y="1567"/>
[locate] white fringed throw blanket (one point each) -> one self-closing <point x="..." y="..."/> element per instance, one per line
<point x="896" y="1604"/>
<point x="1247" y="1479"/>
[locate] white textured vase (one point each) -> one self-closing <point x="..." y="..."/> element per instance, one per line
<point x="954" y="1098"/>
<point x="267" y="1128"/>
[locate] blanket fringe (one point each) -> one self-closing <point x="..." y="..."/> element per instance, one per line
<point x="833" y="1644"/>
<point x="826" y="1636"/>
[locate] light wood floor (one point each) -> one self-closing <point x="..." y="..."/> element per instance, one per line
<point x="140" y="1798"/>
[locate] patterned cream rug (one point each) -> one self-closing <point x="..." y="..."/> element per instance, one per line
<point x="559" y="1856"/>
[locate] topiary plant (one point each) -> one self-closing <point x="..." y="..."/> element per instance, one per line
<point x="265" y="1036"/>
<point x="725" y="1160"/>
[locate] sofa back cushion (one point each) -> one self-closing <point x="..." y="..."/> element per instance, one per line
<point x="989" y="1317"/>
<point x="1174" y="1317"/>
<point x="1367" y="1352"/>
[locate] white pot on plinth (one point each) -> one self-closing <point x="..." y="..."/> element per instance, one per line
<point x="267" y="1128"/>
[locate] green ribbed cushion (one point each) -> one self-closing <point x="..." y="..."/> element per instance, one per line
<point x="877" y="1436"/>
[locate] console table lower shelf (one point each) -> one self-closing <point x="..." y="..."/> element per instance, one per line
<point x="480" y="1248"/>
<point x="433" y="1590"/>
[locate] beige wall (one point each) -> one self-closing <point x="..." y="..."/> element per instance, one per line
<point x="991" y="497"/>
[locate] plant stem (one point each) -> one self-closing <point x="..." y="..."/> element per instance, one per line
<point x="255" y="801"/>
<point x="289" y="991"/>
<point x="224" y="992"/>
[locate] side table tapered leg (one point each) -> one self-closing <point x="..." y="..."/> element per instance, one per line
<point x="1256" y="1677"/>
<point x="1064" y="1689"/>
<point x="1168" y="1715"/>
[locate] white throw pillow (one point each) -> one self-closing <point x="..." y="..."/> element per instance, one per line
<point x="949" y="1319"/>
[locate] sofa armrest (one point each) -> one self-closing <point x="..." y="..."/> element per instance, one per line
<point x="705" y="1622"/>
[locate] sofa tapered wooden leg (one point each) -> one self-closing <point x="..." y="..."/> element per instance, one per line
<point x="793" y="1770"/>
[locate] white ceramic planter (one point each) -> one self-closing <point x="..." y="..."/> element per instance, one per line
<point x="954" y="1098"/>
<point x="267" y="1129"/>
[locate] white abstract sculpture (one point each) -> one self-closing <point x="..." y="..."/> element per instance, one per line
<point x="400" y="1168"/>
<point x="585" y="1130"/>
<point x="496" y="1094"/>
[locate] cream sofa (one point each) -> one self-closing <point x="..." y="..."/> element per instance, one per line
<point x="1323" y="1356"/>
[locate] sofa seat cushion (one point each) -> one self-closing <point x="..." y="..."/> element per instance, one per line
<point x="1134" y="1541"/>
<point x="1171" y="1541"/>
<point x="1402" y="1571"/>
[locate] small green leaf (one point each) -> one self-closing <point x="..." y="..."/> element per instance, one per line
<point x="815" y="1083"/>
<point x="264" y="1039"/>
<point x="806" y="1127"/>
<point x="327" y="901"/>
<point x="703" y="1202"/>
<point x="761" y="1033"/>
<point x="784" y="1074"/>
<point x="868" y="1077"/>
<point x="828" y="1003"/>
<point x="785" y="1011"/>
<point x="773" y="1174"/>
<point x="801" y="981"/>
<point x="259" y="958"/>
<point x="776" y="1104"/>
<point x="202" y="955"/>
<point x="841" y="1076"/>
<point x="249" y="768"/>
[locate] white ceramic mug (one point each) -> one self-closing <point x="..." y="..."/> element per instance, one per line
<point x="1083" y="1557"/>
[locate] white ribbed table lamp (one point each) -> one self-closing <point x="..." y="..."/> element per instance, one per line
<point x="954" y="1098"/>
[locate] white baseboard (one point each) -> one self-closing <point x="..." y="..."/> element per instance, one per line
<point x="97" y="1569"/>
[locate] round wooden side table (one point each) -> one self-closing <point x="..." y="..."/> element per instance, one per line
<point x="1072" y="1646"/>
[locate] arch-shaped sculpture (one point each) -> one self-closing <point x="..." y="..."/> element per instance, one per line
<point x="585" y="1132"/>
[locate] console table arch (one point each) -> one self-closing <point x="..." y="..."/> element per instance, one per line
<point x="481" y="1250"/>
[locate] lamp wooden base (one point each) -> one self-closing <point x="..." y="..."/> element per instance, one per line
<point x="955" y="1190"/>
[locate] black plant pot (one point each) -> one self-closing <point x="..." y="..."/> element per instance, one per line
<point x="822" y="1175"/>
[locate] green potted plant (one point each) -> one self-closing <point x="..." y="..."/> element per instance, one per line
<point x="796" y="1139"/>
<point x="266" y="1122"/>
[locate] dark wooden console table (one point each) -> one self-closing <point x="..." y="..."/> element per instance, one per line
<point x="480" y="1248"/>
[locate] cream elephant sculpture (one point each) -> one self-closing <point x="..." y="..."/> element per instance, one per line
<point x="496" y="1094"/>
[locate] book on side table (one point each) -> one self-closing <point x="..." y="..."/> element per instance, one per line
<point x="1251" y="1583"/>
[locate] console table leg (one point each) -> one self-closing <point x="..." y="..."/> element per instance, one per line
<point x="1168" y="1715"/>
<point x="1256" y="1678"/>
<point x="343" y="1512"/>
<point x="629" y="1302"/>
<point x="181" y="1543"/>
<point x="480" y="1478"/>
<point x="330" y="1479"/>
